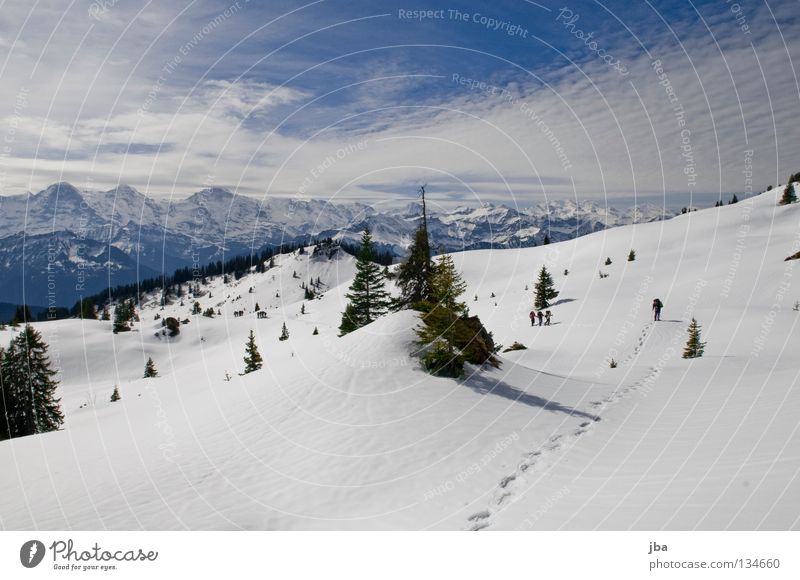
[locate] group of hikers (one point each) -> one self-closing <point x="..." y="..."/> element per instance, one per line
<point x="547" y="315"/>
<point x="540" y="316"/>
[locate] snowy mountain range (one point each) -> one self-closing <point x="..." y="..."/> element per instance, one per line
<point x="62" y="242"/>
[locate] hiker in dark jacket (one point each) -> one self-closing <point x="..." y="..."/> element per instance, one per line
<point x="657" y="306"/>
<point x="533" y="317"/>
<point x="547" y="316"/>
<point x="541" y="316"/>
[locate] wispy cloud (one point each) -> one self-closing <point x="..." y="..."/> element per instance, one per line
<point x="171" y="100"/>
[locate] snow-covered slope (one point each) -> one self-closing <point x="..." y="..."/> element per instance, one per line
<point x="162" y="235"/>
<point x="341" y="433"/>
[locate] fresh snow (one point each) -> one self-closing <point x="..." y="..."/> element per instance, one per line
<point x="350" y="433"/>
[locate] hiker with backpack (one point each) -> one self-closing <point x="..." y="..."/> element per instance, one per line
<point x="541" y="317"/>
<point x="533" y="317"/>
<point x="657" y="306"/>
<point x="547" y="316"/>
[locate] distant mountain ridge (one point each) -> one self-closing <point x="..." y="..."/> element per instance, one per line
<point x="62" y="242"/>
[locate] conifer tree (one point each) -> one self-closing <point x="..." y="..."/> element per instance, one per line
<point x="789" y="195"/>
<point x="694" y="347"/>
<point x="115" y="396"/>
<point x="6" y="402"/>
<point x="734" y="199"/>
<point x="284" y="333"/>
<point x="442" y="329"/>
<point x="449" y="337"/>
<point x="631" y="256"/>
<point x="12" y="378"/>
<point x="150" y="369"/>
<point x="367" y="295"/>
<point x="546" y="239"/>
<point x="316" y="332"/>
<point x="608" y="261"/>
<point x="545" y="290"/>
<point x="30" y="386"/>
<point x="252" y="359"/>
<point x="349" y="320"/>
<point x="414" y="275"/>
<point x="447" y="286"/>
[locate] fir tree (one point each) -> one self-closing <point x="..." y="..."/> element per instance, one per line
<point x="447" y="286"/>
<point x="150" y="369"/>
<point x="437" y="336"/>
<point x="6" y="402"/>
<point x="694" y="348"/>
<point x="252" y="359"/>
<point x="449" y="337"/>
<point x="302" y="309"/>
<point x="631" y="256"/>
<point x="608" y="261"/>
<point x="257" y="308"/>
<point x="545" y="290"/>
<point x="105" y="315"/>
<point x="284" y="333"/>
<point x="414" y="275"/>
<point x="734" y="199"/>
<point x="546" y="239"/>
<point x="789" y="196"/>
<point x="11" y="377"/>
<point x="367" y="294"/>
<point x="29" y="382"/>
<point x="349" y="320"/>
<point x="115" y="396"/>
<point x="196" y="308"/>
<point x="316" y="332"/>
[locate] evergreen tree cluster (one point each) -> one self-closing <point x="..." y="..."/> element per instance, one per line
<point x="124" y="315"/>
<point x="172" y="286"/>
<point x="449" y="337"/>
<point x="28" y="404"/>
<point x="88" y="311"/>
<point x="382" y="257"/>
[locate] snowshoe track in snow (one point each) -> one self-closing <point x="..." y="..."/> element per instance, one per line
<point x="509" y="485"/>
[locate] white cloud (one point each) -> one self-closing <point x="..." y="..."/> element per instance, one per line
<point x="610" y="135"/>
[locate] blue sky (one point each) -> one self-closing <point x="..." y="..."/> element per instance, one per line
<point x="511" y="101"/>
